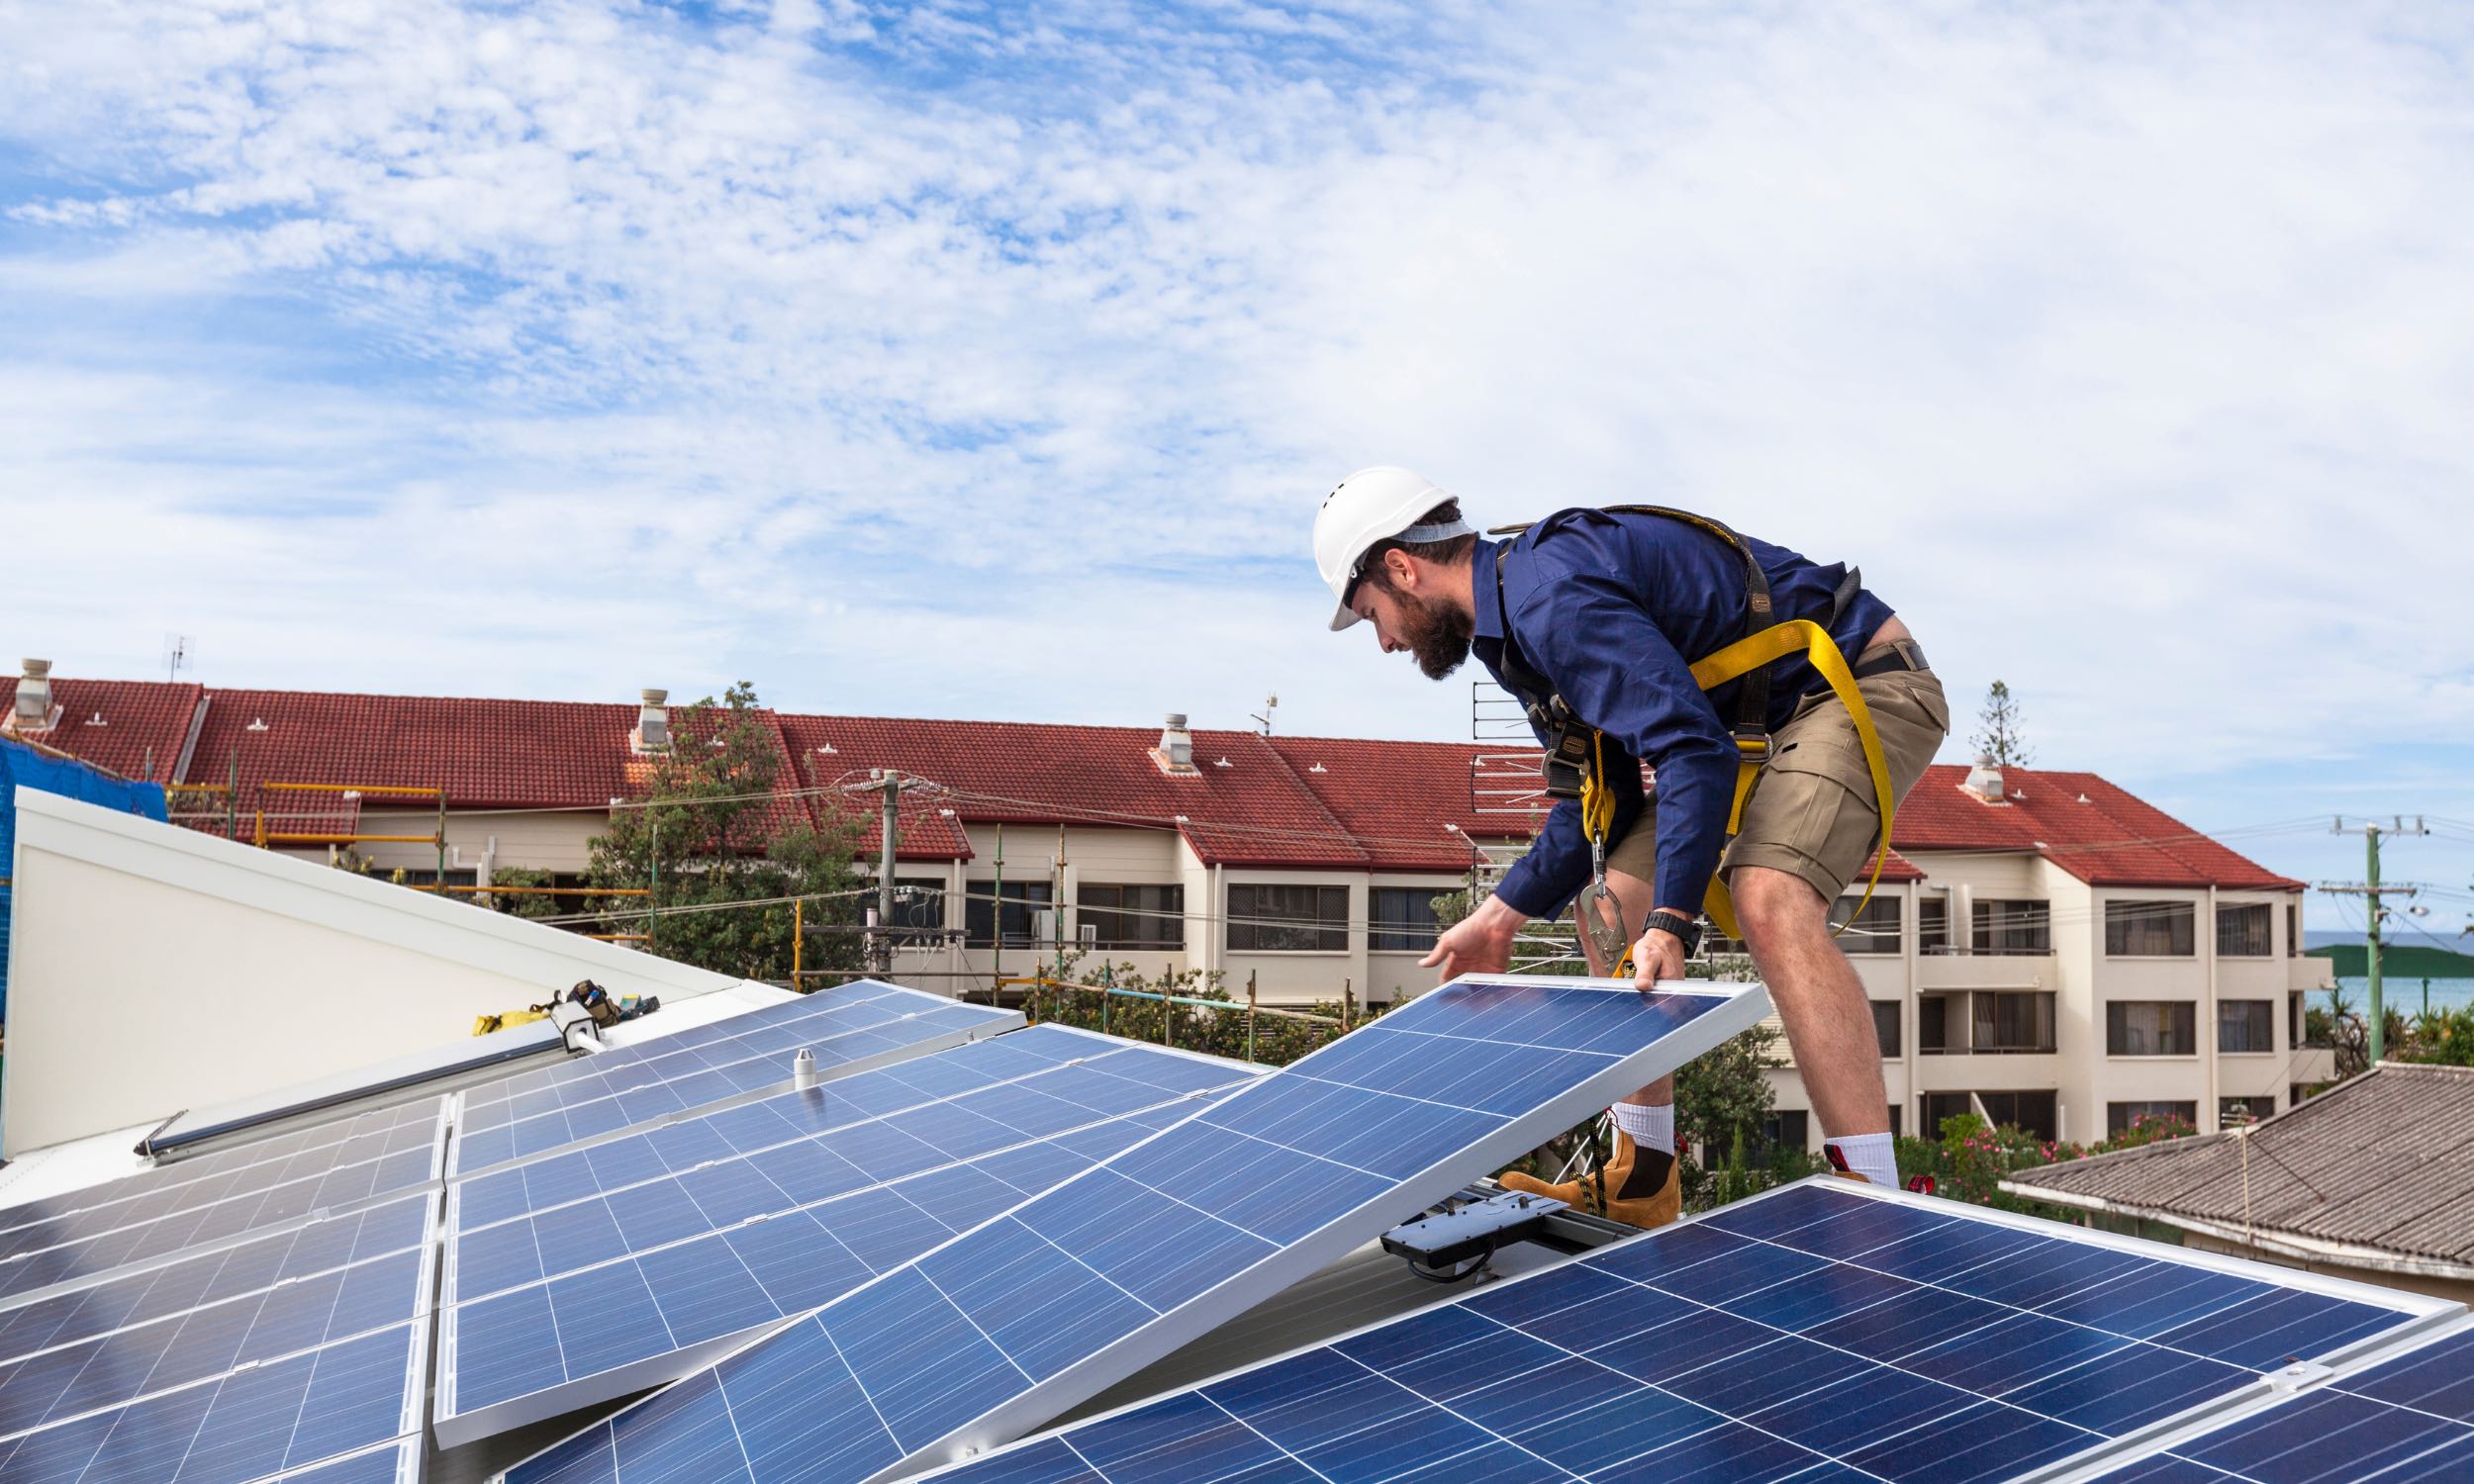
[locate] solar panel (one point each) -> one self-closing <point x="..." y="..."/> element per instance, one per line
<point x="293" y="1155"/>
<point x="590" y="1300"/>
<point x="430" y="1064"/>
<point x="1036" y="1309"/>
<point x="681" y="1146"/>
<point x="2409" y="1419"/>
<point x="1821" y="1333"/>
<point x="293" y="1413"/>
<point x="227" y="1208"/>
<point x="251" y="1268"/>
<point x="848" y="1029"/>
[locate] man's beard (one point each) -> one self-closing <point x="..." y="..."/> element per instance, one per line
<point x="1436" y="633"/>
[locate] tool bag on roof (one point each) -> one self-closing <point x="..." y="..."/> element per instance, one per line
<point x="1574" y="749"/>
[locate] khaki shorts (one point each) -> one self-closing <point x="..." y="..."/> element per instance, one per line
<point x="1811" y="812"/>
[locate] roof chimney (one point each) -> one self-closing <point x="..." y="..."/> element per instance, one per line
<point x="652" y="724"/>
<point x="33" y="711"/>
<point x="1176" y="753"/>
<point x="1984" y="781"/>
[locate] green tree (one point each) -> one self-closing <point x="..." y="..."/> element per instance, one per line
<point x="709" y="831"/>
<point x="1997" y="730"/>
<point x="526" y="905"/>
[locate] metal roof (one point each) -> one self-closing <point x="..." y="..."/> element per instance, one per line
<point x="2377" y="1171"/>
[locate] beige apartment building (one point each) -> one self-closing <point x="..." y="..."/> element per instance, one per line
<point x="2046" y="949"/>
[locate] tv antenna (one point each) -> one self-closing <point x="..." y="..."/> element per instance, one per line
<point x="180" y="652"/>
<point x="1271" y="704"/>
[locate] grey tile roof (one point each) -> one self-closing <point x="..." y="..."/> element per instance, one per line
<point x="2383" y="1163"/>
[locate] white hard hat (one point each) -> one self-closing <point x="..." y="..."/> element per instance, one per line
<point x="1371" y="506"/>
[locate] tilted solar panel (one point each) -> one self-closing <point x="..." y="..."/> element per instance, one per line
<point x="213" y="1277"/>
<point x="1820" y="1333"/>
<point x="2409" y="1419"/>
<point x="78" y="1249"/>
<point x="588" y="1103"/>
<point x="681" y="1146"/>
<point x="244" y="1426"/>
<point x="592" y="1300"/>
<point x="1039" y="1308"/>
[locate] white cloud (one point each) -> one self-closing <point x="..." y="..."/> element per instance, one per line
<point x="989" y="361"/>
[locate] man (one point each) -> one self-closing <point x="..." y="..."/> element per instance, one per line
<point x="1605" y="613"/>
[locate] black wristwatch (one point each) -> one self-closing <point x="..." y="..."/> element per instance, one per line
<point x="1687" y="929"/>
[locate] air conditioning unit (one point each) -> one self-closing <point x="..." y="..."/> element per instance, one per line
<point x="1087" y="934"/>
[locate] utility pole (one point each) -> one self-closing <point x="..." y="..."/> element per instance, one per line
<point x="2370" y="890"/>
<point x="888" y="782"/>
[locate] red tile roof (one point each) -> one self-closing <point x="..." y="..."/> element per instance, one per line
<point x="2081" y="823"/>
<point x="1295" y="803"/>
<point x="121" y="725"/>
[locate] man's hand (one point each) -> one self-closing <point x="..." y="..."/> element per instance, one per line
<point x="1480" y="943"/>
<point x="1658" y="955"/>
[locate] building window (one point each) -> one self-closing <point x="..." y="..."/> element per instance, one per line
<point x="2293" y="930"/>
<point x="2013" y="927"/>
<point x="2012" y="1021"/>
<point x="2294" y="1019"/>
<point x="1895" y="1111"/>
<point x="2151" y="1028"/>
<point x="2121" y="1118"/>
<point x="1874" y="930"/>
<point x="1885" y="1026"/>
<point x="2151" y="929"/>
<point x="2031" y="1112"/>
<point x="1120" y="917"/>
<point x="1931" y="925"/>
<point x="2246" y="932"/>
<point x="2232" y="1112"/>
<point x="1403" y="919"/>
<point x="1287" y="919"/>
<point x="1023" y="902"/>
<point x="2295" y="1092"/>
<point x="1933" y="1020"/>
<point x="2245" y="1025"/>
<point x="1787" y="1127"/>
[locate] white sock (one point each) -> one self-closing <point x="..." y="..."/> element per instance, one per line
<point x="1651" y="1125"/>
<point x="1869" y="1155"/>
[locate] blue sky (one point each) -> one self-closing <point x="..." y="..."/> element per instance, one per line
<point x="986" y="360"/>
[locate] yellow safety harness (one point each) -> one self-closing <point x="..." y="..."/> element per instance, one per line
<point x="1747" y="658"/>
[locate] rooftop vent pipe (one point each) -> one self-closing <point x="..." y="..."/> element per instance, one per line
<point x="1984" y="781"/>
<point x="652" y="723"/>
<point x="1176" y="752"/>
<point x="34" y="696"/>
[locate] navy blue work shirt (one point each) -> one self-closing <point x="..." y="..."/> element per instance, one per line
<point x="1613" y="608"/>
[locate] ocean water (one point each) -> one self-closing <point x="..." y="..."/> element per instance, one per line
<point x="2403" y="995"/>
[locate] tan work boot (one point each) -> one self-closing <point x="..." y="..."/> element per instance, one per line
<point x="1594" y="1193"/>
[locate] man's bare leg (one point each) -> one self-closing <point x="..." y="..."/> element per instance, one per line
<point x="1829" y="1020"/>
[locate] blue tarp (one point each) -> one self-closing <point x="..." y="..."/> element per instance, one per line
<point x="22" y="765"/>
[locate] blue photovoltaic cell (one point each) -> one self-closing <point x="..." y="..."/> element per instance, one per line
<point x="2406" y="1421"/>
<point x="678" y="1149"/>
<point x="1332" y="1148"/>
<point x="210" y="1277"/>
<point x="77" y="1256"/>
<point x="1816" y="1335"/>
<point x="828" y="1214"/>
<point x="589" y="1099"/>
<point x="244" y="1426"/>
<point x="113" y="1369"/>
<point x="222" y="1175"/>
